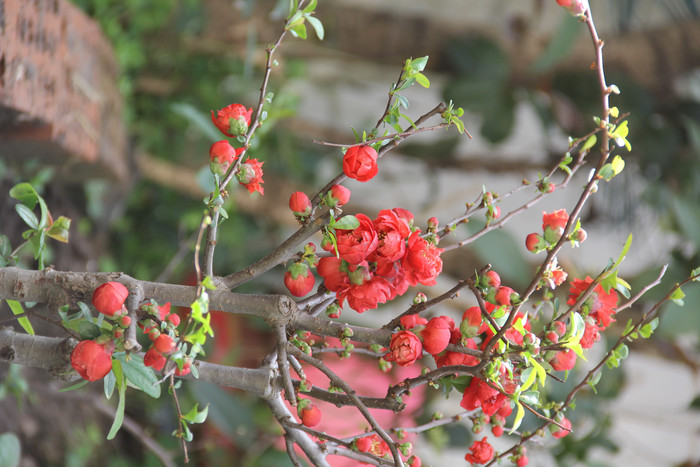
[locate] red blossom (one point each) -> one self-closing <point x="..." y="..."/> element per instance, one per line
<point x="222" y="155"/>
<point x="480" y="394"/>
<point x="563" y="360"/>
<point x="367" y="295"/>
<point x="164" y="344"/>
<point x="411" y="321"/>
<point x="436" y="335"/>
<point x="404" y="349"/>
<point x="300" y="204"/>
<point x="505" y="295"/>
<point x="535" y="243"/>
<point x="553" y="224"/>
<point x="360" y="163"/>
<point x="392" y="232"/>
<point x="372" y="444"/>
<point x="472" y="322"/>
<point x="109" y="299"/>
<point x="337" y="196"/>
<point x="355" y="245"/>
<point x="250" y="175"/>
<point x="310" y="414"/>
<point x="600" y="304"/>
<point x="559" y="432"/>
<point x="481" y="452"/>
<point x="422" y="261"/>
<point x="591" y="335"/>
<point x="91" y="360"/>
<point x="492" y="279"/>
<point x="299" y="280"/>
<point x="154" y="359"/>
<point x="233" y="120"/>
<point x="186" y="368"/>
<point x="334" y="272"/>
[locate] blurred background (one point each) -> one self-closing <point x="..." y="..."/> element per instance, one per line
<point x="115" y="134"/>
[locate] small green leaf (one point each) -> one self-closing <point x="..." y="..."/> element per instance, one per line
<point x="299" y="31"/>
<point x="518" y="417"/>
<point x="27" y="216"/>
<point x="195" y="416"/>
<point x="317" y="25"/>
<point x="422" y="80"/>
<point x="310" y="7"/>
<point x="25" y="194"/>
<point x="208" y="283"/>
<point x="590" y="142"/>
<point x="10" y="450"/>
<point x="119" y="415"/>
<point x="140" y="375"/>
<point x="677" y="296"/>
<point x="348" y="222"/>
<point x="530" y="397"/>
<point x="75" y="386"/>
<point x="17" y="309"/>
<point x="59" y="230"/>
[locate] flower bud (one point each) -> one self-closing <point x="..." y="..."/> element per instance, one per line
<point x="186" y="368"/>
<point x="300" y="204"/>
<point x="153" y="334"/>
<point x="575" y="7"/>
<point x="233" y="120"/>
<point x="91" y="360"/>
<point x="506" y="296"/>
<point x="174" y="319"/>
<point x="497" y="430"/>
<point x="221" y="156"/>
<point x="436" y="335"/>
<point x="109" y="299"/>
<point x="579" y="236"/>
<point x="360" y="163"/>
<point x="309" y="413"/>
<point x="164" y="344"/>
<point x="124" y="321"/>
<point x="535" y="243"/>
<point x="471" y="322"/>
<point x="338" y="195"/>
<point x="433" y="223"/>
<point x="154" y="359"/>
<point x="299" y="279"/>
<point x="333" y="311"/>
<point x="420" y="298"/>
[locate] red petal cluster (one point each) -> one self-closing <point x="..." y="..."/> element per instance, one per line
<point x="360" y="163"/>
<point x="481" y="452"/>
<point x="109" y="298"/>
<point x="404" y="349"/>
<point x="233" y="120"/>
<point x="601" y="305"/>
<point x="91" y="360"/>
<point x="480" y="394"/>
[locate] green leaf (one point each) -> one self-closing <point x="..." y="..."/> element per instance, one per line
<point x="25" y="194"/>
<point x="59" y="230"/>
<point x="310" y="7"/>
<point x="422" y="80"/>
<point x="87" y="330"/>
<point x="110" y="382"/>
<point x="348" y="222"/>
<point x="208" y="283"/>
<point x="17" y="309"/>
<point x="10" y="450"/>
<point x="75" y="386"/>
<point x="677" y="296"/>
<point x="528" y="377"/>
<point x="530" y="397"/>
<point x="140" y="375"/>
<point x="594" y="381"/>
<point x="119" y="415"/>
<point x="27" y="216"/>
<point x="195" y="416"/>
<point x="317" y="25"/>
<point x="649" y="328"/>
<point x="518" y="417"/>
<point x="541" y="373"/>
<point x="590" y="142"/>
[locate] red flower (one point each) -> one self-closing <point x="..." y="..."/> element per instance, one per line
<point x="250" y="175"/>
<point x="109" y="299"/>
<point x="480" y="394"/>
<point x="599" y="304"/>
<point x="164" y="344"/>
<point x="563" y="360"/>
<point x="457" y="358"/>
<point x="553" y="224"/>
<point x="559" y="432"/>
<point x="355" y="245"/>
<point x="392" y="232"/>
<point x="535" y="242"/>
<point x="300" y="204"/>
<point x="436" y="335"/>
<point x="310" y="414"/>
<point x="506" y="295"/>
<point x="422" y="261"/>
<point x="334" y="272"/>
<point x="472" y="322"/>
<point x="591" y="335"/>
<point x="372" y="444"/>
<point x="360" y="163"/>
<point x="154" y="359"/>
<point x="405" y="348"/>
<point x="186" y="368"/>
<point x="299" y="280"/>
<point x="91" y="360"/>
<point x="222" y="155"/>
<point x="411" y="321"/>
<point x="481" y="452"/>
<point x="233" y="120"/>
<point x="575" y="7"/>
<point x="414" y="461"/>
<point x="367" y="295"/>
<point x="492" y="279"/>
<point x="337" y="196"/>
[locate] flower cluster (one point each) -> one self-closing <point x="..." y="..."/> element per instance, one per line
<point x="378" y="260"/>
<point x="233" y="121"/>
<point x="161" y="328"/>
<point x="553" y="226"/>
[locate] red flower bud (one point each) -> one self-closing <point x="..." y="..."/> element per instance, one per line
<point x="360" y="163"/>
<point x="414" y="461"/>
<point x="506" y="296"/>
<point x="553" y="225"/>
<point x="233" y="120"/>
<point x="436" y="335"/>
<point x="154" y="359"/>
<point x="125" y="321"/>
<point x="559" y="432"/>
<point x="411" y="321"/>
<point x="164" y="344"/>
<point x="433" y="223"/>
<point x="221" y="156"/>
<point x="575" y="7"/>
<point x="471" y="322"/>
<point x="109" y="298"/>
<point x="522" y="461"/>
<point x="563" y="360"/>
<point x="299" y="280"/>
<point x="337" y="196"/>
<point x="300" y="204"/>
<point x="535" y="243"/>
<point x="310" y="414"/>
<point x="174" y="319"/>
<point x="153" y="334"/>
<point x="91" y="360"/>
<point x="559" y="328"/>
<point x="497" y="430"/>
<point x="186" y="368"/>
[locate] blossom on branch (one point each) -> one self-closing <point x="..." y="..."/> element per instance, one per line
<point x="91" y="360"/>
<point x="360" y="163"/>
<point x="233" y="120"/>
